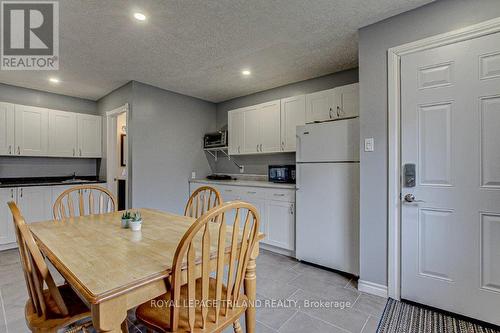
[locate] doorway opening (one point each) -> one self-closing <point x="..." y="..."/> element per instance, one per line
<point x="117" y="164"/>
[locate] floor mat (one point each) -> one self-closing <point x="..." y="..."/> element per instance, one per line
<point x="401" y="317"/>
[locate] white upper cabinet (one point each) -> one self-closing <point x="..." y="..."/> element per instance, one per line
<point x="31" y="131"/>
<point x="271" y="127"/>
<point x="319" y="105"/>
<point x="89" y="135"/>
<point x="7" y="121"/>
<point x="261" y="128"/>
<point x="235" y="129"/>
<point x="293" y="114"/>
<point x="270" y="141"/>
<point x="251" y="130"/>
<point x="348" y="100"/>
<point x="62" y="133"/>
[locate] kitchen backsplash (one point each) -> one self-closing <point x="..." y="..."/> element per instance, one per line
<point x="46" y="167"/>
<point x="254" y="164"/>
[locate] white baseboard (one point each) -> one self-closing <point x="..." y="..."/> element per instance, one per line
<point x="372" y="288"/>
<point x="275" y="249"/>
<point x="9" y="246"/>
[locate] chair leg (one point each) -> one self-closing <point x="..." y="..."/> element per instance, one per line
<point x="125" y="326"/>
<point x="237" y="327"/>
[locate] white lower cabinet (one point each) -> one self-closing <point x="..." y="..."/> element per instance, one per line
<point x="7" y="235"/>
<point x="35" y="203"/>
<point x="281" y="231"/>
<point x="276" y="207"/>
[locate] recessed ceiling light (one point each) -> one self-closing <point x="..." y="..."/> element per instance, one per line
<point x="140" y="16"/>
<point x="54" y="80"/>
<point x="246" y="72"/>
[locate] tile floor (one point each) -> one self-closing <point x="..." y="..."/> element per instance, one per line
<point x="278" y="278"/>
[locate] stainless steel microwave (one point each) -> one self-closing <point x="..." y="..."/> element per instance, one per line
<point x="216" y="139"/>
<point x="282" y="173"/>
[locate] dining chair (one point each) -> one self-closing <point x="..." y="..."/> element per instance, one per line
<point x="51" y="309"/>
<point x="201" y="201"/>
<point x="90" y="199"/>
<point x="206" y="295"/>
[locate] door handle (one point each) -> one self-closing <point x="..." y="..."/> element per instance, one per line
<point x="330" y="113"/>
<point x="411" y="198"/>
<point x="257" y="147"/>
<point x="18" y="150"/>
<point x="12" y="193"/>
<point x="10" y="149"/>
<point x="21" y="193"/>
<point x="261" y="147"/>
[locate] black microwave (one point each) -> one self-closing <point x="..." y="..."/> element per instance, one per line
<point x="282" y="173"/>
<point x="216" y="139"/>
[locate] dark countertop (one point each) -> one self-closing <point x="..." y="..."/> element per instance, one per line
<point x="49" y="181"/>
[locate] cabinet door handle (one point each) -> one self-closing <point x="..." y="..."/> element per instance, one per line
<point x="21" y="195"/>
<point x="19" y="150"/>
<point x="257" y="147"/>
<point x="278" y="194"/>
<point x="251" y="192"/>
<point x="291" y="210"/>
<point x="330" y="113"/>
<point x="12" y="193"/>
<point x="238" y="149"/>
<point x="10" y="149"/>
<point x="282" y="145"/>
<point x="80" y="151"/>
<point x="74" y="151"/>
<point x="338" y="111"/>
<point x="261" y="147"/>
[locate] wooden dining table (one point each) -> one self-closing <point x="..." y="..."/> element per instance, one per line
<point x="114" y="269"/>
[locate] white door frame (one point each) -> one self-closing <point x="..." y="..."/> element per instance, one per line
<point x="394" y="134"/>
<point x="111" y="118"/>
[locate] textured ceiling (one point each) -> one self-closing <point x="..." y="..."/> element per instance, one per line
<point x="199" y="47"/>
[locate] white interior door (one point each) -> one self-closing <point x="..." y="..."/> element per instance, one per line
<point x="450" y="131"/>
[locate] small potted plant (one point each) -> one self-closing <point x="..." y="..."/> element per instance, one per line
<point x="126" y="216"/>
<point x="135" y="222"/>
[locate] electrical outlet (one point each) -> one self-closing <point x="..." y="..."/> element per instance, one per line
<point x="369" y="144"/>
<point x="193" y="175"/>
<point x="242" y="168"/>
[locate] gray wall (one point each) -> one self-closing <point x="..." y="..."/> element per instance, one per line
<point x="257" y="164"/>
<point x="45" y="166"/>
<point x="111" y="101"/>
<point x="166" y="131"/>
<point x="25" y="96"/>
<point x="374" y="40"/>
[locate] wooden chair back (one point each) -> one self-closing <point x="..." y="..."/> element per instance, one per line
<point x="36" y="272"/>
<point x="234" y="253"/>
<point x="90" y="199"/>
<point x="201" y="201"/>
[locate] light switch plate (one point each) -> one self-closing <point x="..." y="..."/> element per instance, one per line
<point x="369" y="144"/>
<point x="193" y="175"/>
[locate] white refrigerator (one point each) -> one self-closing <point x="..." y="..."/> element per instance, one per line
<point x="327" y="221"/>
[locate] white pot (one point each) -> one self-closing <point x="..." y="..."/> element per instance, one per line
<point x="135" y="225"/>
<point x="125" y="223"/>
